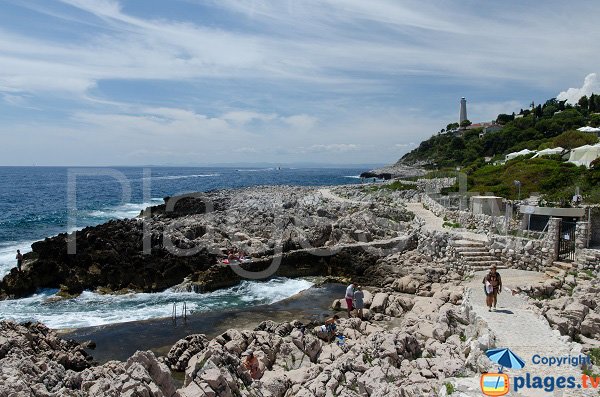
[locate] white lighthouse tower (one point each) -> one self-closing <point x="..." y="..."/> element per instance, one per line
<point x="463" y="110"/>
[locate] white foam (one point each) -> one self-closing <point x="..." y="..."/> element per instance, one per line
<point x="183" y="176"/>
<point x="255" y="169"/>
<point x="8" y="252"/>
<point x="92" y="309"/>
<point x="128" y="210"/>
<point x="352" y="176"/>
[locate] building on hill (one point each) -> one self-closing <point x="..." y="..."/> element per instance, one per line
<point x="487" y="127"/>
<point x="463" y="111"/>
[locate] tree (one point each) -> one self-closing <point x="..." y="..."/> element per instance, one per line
<point x="465" y="123"/>
<point x="572" y="139"/>
<point x="561" y="105"/>
<point x="583" y="102"/>
<point x="505" y="118"/>
<point x="594" y="103"/>
<point x="451" y="126"/>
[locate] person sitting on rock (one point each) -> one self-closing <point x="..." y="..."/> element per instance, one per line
<point x="330" y="327"/>
<point x="251" y="364"/>
<point x="359" y="303"/>
<point x="493" y="286"/>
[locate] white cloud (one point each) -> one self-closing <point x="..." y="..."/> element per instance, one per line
<point x="242" y="117"/>
<point x="301" y="121"/>
<point x="405" y="145"/>
<point x="315" y="42"/>
<point x="591" y="84"/>
<point x="333" y="147"/>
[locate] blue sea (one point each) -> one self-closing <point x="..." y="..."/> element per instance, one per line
<point x="35" y="203"/>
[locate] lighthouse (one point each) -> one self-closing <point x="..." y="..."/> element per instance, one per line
<point x="463" y="110"/>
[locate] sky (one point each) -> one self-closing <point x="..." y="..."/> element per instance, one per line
<point x="198" y="82"/>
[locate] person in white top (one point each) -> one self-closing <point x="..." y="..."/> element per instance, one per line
<point x="350" y="298"/>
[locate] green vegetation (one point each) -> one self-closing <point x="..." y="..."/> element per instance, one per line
<point x="451" y="224"/>
<point x="595" y="356"/>
<point x="553" y="124"/>
<point x="449" y="388"/>
<point x="394" y="186"/>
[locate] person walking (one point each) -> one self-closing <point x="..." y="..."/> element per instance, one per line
<point x="492" y="284"/>
<point x="350" y="298"/>
<point x="19" y="259"/>
<point x="359" y="303"/>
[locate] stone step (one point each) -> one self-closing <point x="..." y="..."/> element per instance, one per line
<point x="467" y="243"/>
<point x="489" y="260"/>
<point x="480" y="268"/>
<point x="486" y="262"/>
<point x="485" y="265"/>
<point x="554" y="271"/>
<point x="475" y="253"/>
<point x="563" y="265"/>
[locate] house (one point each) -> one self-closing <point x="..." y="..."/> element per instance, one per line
<point x="492" y="128"/>
<point x="487" y="127"/>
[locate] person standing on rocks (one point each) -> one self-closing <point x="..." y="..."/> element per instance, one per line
<point x="19" y="259"/>
<point x="493" y="286"/>
<point x="359" y="303"/>
<point x="350" y="298"/>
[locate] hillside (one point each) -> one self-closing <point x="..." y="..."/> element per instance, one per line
<point x="553" y="124"/>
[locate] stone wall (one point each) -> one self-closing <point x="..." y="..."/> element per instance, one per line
<point x="595" y="227"/>
<point x="582" y="234"/>
<point x="435" y="185"/>
<point x="477" y="223"/>
<point x="588" y="259"/>
<point x="527" y="254"/>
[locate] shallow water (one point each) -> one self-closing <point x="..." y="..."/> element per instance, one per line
<point x="93" y="309"/>
<point x="120" y="341"/>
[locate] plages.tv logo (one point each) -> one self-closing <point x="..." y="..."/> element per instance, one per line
<point x="498" y="384"/>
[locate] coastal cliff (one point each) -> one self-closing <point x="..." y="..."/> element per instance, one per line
<point x="306" y="231"/>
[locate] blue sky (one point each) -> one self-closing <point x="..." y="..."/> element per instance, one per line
<point x="107" y="82"/>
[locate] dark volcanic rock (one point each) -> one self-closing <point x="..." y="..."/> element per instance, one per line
<point x="108" y="256"/>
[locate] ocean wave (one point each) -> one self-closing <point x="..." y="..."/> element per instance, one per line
<point x="184" y="176"/>
<point x="353" y="176"/>
<point x="255" y="169"/>
<point x="93" y="309"/>
<point x="127" y="210"/>
<point x="8" y="252"/>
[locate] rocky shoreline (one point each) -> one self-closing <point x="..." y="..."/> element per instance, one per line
<point x="419" y="334"/>
<point x="304" y="231"/>
<point x="394" y="171"/>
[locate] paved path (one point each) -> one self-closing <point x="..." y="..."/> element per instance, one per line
<point x="328" y="194"/>
<point x="435" y="223"/>
<point x="523" y="331"/>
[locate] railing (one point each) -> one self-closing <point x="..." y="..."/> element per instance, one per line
<point x="183" y="313"/>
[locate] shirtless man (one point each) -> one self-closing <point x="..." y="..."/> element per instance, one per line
<point x="19" y="259"/>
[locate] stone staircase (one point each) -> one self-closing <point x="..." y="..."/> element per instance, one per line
<point x="475" y="255"/>
<point x="559" y="269"/>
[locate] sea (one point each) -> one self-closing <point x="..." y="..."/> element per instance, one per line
<point x="39" y="202"/>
